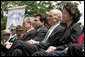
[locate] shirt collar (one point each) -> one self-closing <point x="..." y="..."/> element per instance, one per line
<point x="55" y="26"/>
<point x="30" y="29"/>
<point x="40" y="28"/>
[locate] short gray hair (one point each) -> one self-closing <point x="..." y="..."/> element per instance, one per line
<point x="57" y="12"/>
<point x="30" y="19"/>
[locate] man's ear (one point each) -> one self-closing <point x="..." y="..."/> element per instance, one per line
<point x="30" y="23"/>
<point x="43" y="22"/>
<point x="58" y="17"/>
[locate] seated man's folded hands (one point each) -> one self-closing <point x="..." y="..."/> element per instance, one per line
<point x="8" y="45"/>
<point x="51" y="48"/>
<point x="32" y="42"/>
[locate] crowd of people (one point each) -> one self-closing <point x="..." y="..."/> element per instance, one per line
<point x="58" y="34"/>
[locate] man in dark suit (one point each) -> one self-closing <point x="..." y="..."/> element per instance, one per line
<point x="54" y="31"/>
<point x="38" y="24"/>
<point x="72" y="30"/>
<point x="72" y="50"/>
<point x="6" y="35"/>
<point x="28" y="25"/>
<point x="29" y="31"/>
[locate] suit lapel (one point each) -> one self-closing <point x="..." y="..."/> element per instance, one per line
<point x="42" y="28"/>
<point x="55" y="31"/>
<point x="28" y="33"/>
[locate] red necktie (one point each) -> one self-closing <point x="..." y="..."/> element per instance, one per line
<point x="81" y="39"/>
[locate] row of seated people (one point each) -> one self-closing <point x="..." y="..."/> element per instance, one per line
<point x="32" y="30"/>
<point x="76" y="49"/>
<point x="42" y="41"/>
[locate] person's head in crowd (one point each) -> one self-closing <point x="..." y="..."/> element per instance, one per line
<point x="54" y="17"/>
<point x="39" y="20"/>
<point x="19" y="30"/>
<point x="13" y="30"/>
<point x="6" y="34"/>
<point x="39" y="15"/>
<point x="28" y="23"/>
<point x="75" y="50"/>
<point x="44" y="20"/>
<point x="71" y="13"/>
